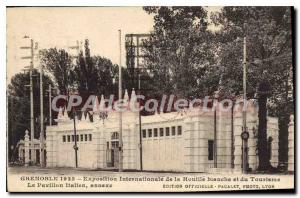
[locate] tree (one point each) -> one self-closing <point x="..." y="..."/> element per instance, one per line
<point x="130" y="60"/>
<point x="107" y="73"/>
<point x="59" y="63"/>
<point x="85" y="74"/>
<point x="94" y="74"/>
<point x="18" y="99"/>
<point x="179" y="53"/>
<point x="269" y="54"/>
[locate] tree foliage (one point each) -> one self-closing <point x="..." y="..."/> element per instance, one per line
<point x="94" y="74"/>
<point x="59" y="63"/>
<point x="268" y="34"/>
<point x="178" y="53"/>
<point x="269" y="45"/>
<point x="18" y="100"/>
<point x="191" y="61"/>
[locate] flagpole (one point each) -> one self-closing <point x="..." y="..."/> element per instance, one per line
<point x="120" y="113"/>
<point x="245" y="134"/>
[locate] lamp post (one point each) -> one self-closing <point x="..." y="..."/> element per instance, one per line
<point x="216" y="96"/>
<point x="75" y="137"/>
<point x="12" y="154"/>
<point x="232" y="131"/>
<point x="140" y="116"/>
<point x="244" y="134"/>
<point x="120" y="113"/>
<point x="50" y="103"/>
<point x="31" y="57"/>
<point x="140" y="122"/>
<point x="42" y="133"/>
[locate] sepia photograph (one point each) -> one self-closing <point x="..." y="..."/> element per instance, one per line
<point x="150" y="99"/>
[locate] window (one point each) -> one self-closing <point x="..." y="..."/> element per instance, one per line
<point x="155" y="132"/>
<point x="77" y="138"/>
<point x="85" y="137"/>
<point x="149" y="132"/>
<point x="81" y="137"/>
<point x="64" y="138"/>
<point x="173" y="130"/>
<point x="69" y="138"/>
<point x="115" y="136"/>
<point x="210" y="149"/>
<point x="73" y="138"/>
<point x="161" y="132"/>
<point x="144" y="133"/>
<point x="179" y="132"/>
<point x="90" y="137"/>
<point x="167" y="131"/>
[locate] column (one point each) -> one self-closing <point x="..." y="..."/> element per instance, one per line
<point x="33" y="152"/>
<point x="252" y="123"/>
<point x="238" y="123"/>
<point x="52" y="148"/>
<point x="101" y="145"/>
<point x="203" y="146"/>
<point x="26" y="147"/>
<point x="188" y="136"/>
<point x="223" y="138"/>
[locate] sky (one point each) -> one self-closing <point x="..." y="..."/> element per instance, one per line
<point x="61" y="27"/>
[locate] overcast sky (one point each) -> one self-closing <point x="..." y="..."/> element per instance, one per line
<point x="61" y="27"/>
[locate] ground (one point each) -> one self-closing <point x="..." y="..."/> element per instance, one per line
<point x="83" y="172"/>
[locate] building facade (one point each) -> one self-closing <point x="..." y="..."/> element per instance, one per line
<point x="177" y="141"/>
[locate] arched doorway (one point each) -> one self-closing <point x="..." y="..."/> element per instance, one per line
<point x="113" y="150"/>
